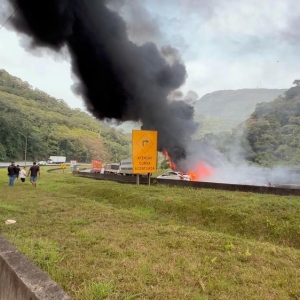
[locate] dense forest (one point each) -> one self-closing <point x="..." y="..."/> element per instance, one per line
<point x="52" y="127"/>
<point x="271" y="136"/>
<point x="273" y="130"/>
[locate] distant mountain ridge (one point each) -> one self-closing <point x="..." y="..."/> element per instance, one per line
<point x="223" y="110"/>
<point x="235" y="105"/>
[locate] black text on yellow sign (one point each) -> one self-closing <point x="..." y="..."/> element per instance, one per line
<point x="144" y="151"/>
<point x="63" y="166"/>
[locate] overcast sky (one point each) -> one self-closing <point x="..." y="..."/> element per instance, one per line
<point x="229" y="44"/>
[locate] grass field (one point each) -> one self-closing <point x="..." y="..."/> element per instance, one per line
<point x="104" y="240"/>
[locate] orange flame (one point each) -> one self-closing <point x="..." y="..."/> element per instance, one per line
<point x="201" y="172"/>
<point x="171" y="164"/>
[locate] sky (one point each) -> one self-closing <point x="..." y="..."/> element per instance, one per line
<point x="231" y="44"/>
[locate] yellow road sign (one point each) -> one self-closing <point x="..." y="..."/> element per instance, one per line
<point x="144" y="151"/>
<point x="63" y="166"/>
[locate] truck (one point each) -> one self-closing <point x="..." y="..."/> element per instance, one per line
<point x="126" y="167"/>
<point x="96" y="166"/>
<point x="56" y="160"/>
<point x="111" y="168"/>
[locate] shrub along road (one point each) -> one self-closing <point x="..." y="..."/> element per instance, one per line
<point x="104" y="240"/>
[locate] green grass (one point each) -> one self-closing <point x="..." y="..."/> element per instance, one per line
<point x="103" y="240"/>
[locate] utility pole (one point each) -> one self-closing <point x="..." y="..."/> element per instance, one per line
<point x="25" y="146"/>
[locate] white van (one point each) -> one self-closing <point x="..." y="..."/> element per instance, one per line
<point x="126" y="167"/>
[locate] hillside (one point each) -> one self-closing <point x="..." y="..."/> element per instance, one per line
<point x="274" y="130"/>
<point x="223" y="110"/>
<point x="52" y="127"/>
<point x="213" y="125"/>
<point x="231" y="106"/>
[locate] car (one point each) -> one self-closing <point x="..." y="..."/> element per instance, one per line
<point x="42" y="163"/>
<point x="174" y="175"/>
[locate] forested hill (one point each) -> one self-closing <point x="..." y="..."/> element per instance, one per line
<point x="274" y="130"/>
<point x="234" y="104"/>
<point x="221" y="111"/>
<point x="52" y="128"/>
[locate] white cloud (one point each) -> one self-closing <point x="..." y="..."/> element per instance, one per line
<point x="43" y="72"/>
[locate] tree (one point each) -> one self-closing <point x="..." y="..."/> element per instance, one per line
<point x="297" y="82"/>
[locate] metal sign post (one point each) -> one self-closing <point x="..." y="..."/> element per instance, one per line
<point x="144" y="153"/>
<point x="138" y="179"/>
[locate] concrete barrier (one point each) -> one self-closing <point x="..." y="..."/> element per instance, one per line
<point x="196" y="184"/>
<point x="112" y="177"/>
<point x="20" y="279"/>
<point x="232" y="187"/>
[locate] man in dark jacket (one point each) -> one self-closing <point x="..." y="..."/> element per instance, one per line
<point x="12" y="174"/>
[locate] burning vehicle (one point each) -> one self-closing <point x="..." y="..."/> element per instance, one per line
<point x="199" y="172"/>
<point x="175" y="176"/>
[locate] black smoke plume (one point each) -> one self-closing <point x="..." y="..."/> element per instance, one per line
<point x="119" y="79"/>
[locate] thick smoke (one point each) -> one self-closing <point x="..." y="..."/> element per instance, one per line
<point x="190" y="97"/>
<point x="142" y="26"/>
<point x="119" y="80"/>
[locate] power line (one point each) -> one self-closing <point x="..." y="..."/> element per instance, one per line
<point x="8" y="18"/>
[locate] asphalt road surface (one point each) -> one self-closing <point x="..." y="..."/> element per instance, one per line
<point x="20" y="163"/>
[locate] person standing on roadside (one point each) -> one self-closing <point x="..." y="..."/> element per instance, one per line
<point x="12" y="174"/>
<point x="23" y="175"/>
<point x="33" y="172"/>
<point x="18" y="171"/>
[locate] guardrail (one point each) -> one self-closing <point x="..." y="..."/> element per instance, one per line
<point x="112" y="177"/>
<point x="195" y="184"/>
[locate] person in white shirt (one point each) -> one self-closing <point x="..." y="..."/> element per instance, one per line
<point x="23" y="175"/>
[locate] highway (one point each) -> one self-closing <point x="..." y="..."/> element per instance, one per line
<point x="20" y="163"/>
<point x="28" y="163"/>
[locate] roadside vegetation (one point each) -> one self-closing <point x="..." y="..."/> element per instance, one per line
<point x="104" y="240"/>
<point x="52" y="127"/>
<point x="270" y="137"/>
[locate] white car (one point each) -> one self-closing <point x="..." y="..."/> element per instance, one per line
<point x="174" y="175"/>
<point x="42" y="163"/>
